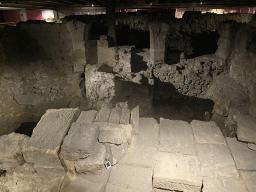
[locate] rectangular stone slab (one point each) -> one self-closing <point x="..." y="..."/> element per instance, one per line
<point x="125" y="117"/>
<point x="87" y="116"/>
<point x="80" y="141"/>
<point x="176" y="137"/>
<point x="207" y="132"/>
<point x="44" y="144"/>
<point x="177" y="172"/>
<point x="244" y="157"/>
<point x="103" y="115"/>
<point x="115" y="115"/>
<point x="135" y="115"/>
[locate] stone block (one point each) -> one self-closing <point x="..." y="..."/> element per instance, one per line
<point x="245" y="158"/>
<point x="114" y="188"/>
<point x="212" y="185"/>
<point x="207" y="132"/>
<point x="144" y="147"/>
<point x="102" y="43"/>
<point x="106" y="56"/>
<point x="252" y="110"/>
<point x="125" y="117"/>
<point x="115" y="115"/>
<point x="45" y="142"/>
<point x="69" y="166"/>
<point x="103" y="37"/>
<point x="128" y="129"/>
<point x="252" y="146"/>
<point x="94" y="163"/>
<point x="80" y="141"/>
<point x="249" y="178"/>
<point x="177" y="172"/>
<point x="72" y="183"/>
<point x="118" y="151"/>
<point x="246" y="128"/>
<point x="176" y="137"/>
<point x="87" y="116"/>
<point x="133" y="178"/>
<point x="78" y="67"/>
<point x="234" y="184"/>
<point x="103" y="115"/>
<point x="11" y="148"/>
<point x="135" y="122"/>
<point x="28" y="99"/>
<point x="112" y="133"/>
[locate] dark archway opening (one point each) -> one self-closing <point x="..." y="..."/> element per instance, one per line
<point x="26" y="128"/>
<point x="127" y="36"/>
<point x="204" y="43"/>
<point x="170" y="104"/>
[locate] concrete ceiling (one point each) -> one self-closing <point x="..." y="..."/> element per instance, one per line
<point x="127" y="3"/>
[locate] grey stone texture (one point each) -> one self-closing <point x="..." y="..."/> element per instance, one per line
<point x="176" y="137"/>
<point x="245" y="158"/>
<point x="118" y="152"/>
<point x="135" y="115"/>
<point x="45" y="142"/>
<point x="103" y="115"/>
<point x="177" y="172"/>
<point x="252" y="110"/>
<point x="115" y="115"/>
<point x="112" y="133"/>
<point x="80" y="141"/>
<point x="143" y="149"/>
<point x="123" y="58"/>
<point x="94" y="163"/>
<point x="11" y="148"/>
<point x="212" y="185"/>
<point x="125" y="117"/>
<point x="28" y="99"/>
<point x="73" y="183"/>
<point x="252" y="146"/>
<point x="246" y="128"/>
<point x="207" y="132"/>
<point x="87" y="116"/>
<point x="249" y="178"/>
<point x="216" y="160"/>
<point x="129" y="178"/>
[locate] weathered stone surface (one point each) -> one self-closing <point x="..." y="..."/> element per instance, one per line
<point x="249" y="178"/>
<point x="44" y="144"/>
<point x="118" y="151"/>
<point x="23" y="180"/>
<point x="80" y="141"/>
<point x="128" y="129"/>
<point x="177" y="172"/>
<point x="125" y="117"/>
<point x="143" y="149"/>
<point x="244" y="157"/>
<point x="69" y="166"/>
<point x="94" y="163"/>
<point x="114" y="188"/>
<point x="72" y="183"/>
<point x="246" y="128"/>
<point x="112" y="133"/>
<point x="103" y="115"/>
<point x="87" y="116"/>
<point x="115" y="115"/>
<point x="207" y="132"/>
<point x="29" y="99"/>
<point x="252" y="146"/>
<point x="135" y="115"/>
<point x="234" y="184"/>
<point x="252" y="110"/>
<point x="132" y="178"/>
<point x="216" y="160"/>
<point x="212" y="185"/>
<point x="11" y="148"/>
<point x="176" y="137"/>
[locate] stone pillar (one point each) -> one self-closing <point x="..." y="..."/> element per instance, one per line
<point x="110" y="16"/>
<point x="158" y="33"/>
<point x="23" y="15"/>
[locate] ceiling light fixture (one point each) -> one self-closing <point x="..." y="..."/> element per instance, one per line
<point x="201" y="3"/>
<point x="150" y="3"/>
<point x="92" y="5"/>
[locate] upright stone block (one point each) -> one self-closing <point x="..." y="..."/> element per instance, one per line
<point x="87" y="117"/>
<point x="103" y="115"/>
<point x="115" y="115"/>
<point x="125" y="117"/>
<point x="135" y="120"/>
<point x="158" y="32"/>
<point x="45" y="142"/>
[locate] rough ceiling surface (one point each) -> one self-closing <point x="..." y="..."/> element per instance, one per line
<point x="124" y="3"/>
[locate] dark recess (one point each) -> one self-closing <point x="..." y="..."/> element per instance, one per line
<point x="26" y="128"/>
